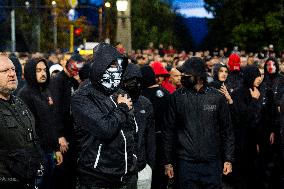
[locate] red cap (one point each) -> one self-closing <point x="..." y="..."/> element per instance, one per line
<point x="159" y="68"/>
<point x="234" y="62"/>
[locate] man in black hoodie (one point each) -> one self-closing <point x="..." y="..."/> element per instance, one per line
<point x="159" y="97"/>
<point x="40" y="101"/>
<point x="104" y="127"/>
<point x="144" y="118"/>
<point x="198" y="131"/>
<point x="63" y="87"/>
<point x="246" y="110"/>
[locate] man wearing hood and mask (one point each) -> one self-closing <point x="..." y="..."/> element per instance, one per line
<point x="40" y="101"/>
<point x="144" y="117"/>
<point x="197" y="131"/>
<point x="104" y="125"/>
<point x="274" y="89"/>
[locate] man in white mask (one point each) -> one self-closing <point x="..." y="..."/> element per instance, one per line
<point x="104" y="125"/>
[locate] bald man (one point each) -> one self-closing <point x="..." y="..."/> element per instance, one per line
<point x="17" y="144"/>
<point x="175" y="77"/>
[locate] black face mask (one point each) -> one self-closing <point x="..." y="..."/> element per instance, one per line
<point x="133" y="88"/>
<point x="188" y="81"/>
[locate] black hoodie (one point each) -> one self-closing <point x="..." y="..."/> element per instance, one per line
<point x="144" y="115"/>
<point x="245" y="112"/>
<point x="105" y="130"/>
<point x="40" y="102"/>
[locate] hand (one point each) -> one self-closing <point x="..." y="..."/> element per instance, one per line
<point x="124" y="99"/>
<point x="63" y="144"/>
<point x="257" y="148"/>
<point x="227" y="168"/>
<point x="59" y="157"/>
<point x="272" y="138"/>
<point x="254" y="93"/>
<point x="225" y="92"/>
<point x="169" y="171"/>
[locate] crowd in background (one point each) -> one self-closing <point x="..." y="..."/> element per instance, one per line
<point x="258" y="153"/>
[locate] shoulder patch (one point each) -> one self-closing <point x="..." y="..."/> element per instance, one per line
<point x="160" y="93"/>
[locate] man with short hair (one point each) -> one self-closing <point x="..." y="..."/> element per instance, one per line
<point x="39" y="99"/>
<point x="17" y="136"/>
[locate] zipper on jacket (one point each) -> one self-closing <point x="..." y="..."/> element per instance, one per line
<point x="98" y="156"/>
<point x="125" y="154"/>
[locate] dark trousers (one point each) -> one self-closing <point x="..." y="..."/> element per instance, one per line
<point x="199" y="175"/>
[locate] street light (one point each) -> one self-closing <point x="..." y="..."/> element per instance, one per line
<point x="123" y="33"/>
<point x="54" y="14"/>
<point x="107" y="4"/>
<point x="121" y="5"/>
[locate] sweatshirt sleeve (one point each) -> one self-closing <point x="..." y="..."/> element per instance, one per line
<point x="168" y="131"/>
<point x="227" y="132"/>
<point x="151" y="138"/>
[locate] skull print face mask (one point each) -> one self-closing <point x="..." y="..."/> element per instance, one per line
<point x="112" y="76"/>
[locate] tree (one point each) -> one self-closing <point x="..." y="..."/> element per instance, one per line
<point x="246" y="23"/>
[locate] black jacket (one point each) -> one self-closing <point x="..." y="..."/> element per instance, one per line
<point x="198" y="126"/>
<point x="234" y="81"/>
<point x="16" y="127"/>
<point x="40" y="101"/>
<point x="106" y="131"/>
<point x="62" y="88"/>
<point x="144" y="117"/>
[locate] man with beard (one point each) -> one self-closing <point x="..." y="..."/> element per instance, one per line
<point x="144" y="118"/>
<point x="105" y="128"/>
<point x="17" y="136"/>
<point x="197" y="131"/>
<point x="37" y="96"/>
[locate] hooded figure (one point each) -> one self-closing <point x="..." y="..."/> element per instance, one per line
<point x="105" y="128"/>
<point x="234" y="80"/>
<point x="39" y="99"/>
<point x="246" y="114"/>
<point x="197" y="131"/>
<point x="159" y="98"/>
<point x="144" y="116"/>
<point x="274" y="90"/>
<point x="217" y="83"/>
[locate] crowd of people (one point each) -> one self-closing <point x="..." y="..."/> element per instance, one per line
<point x="154" y="118"/>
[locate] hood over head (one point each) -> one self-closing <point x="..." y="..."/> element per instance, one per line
<point x="250" y="73"/>
<point x="104" y="55"/>
<point x="132" y="70"/>
<point x="30" y="73"/>
<point x="148" y="76"/>
<point x="216" y="69"/>
<point x="269" y="60"/>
